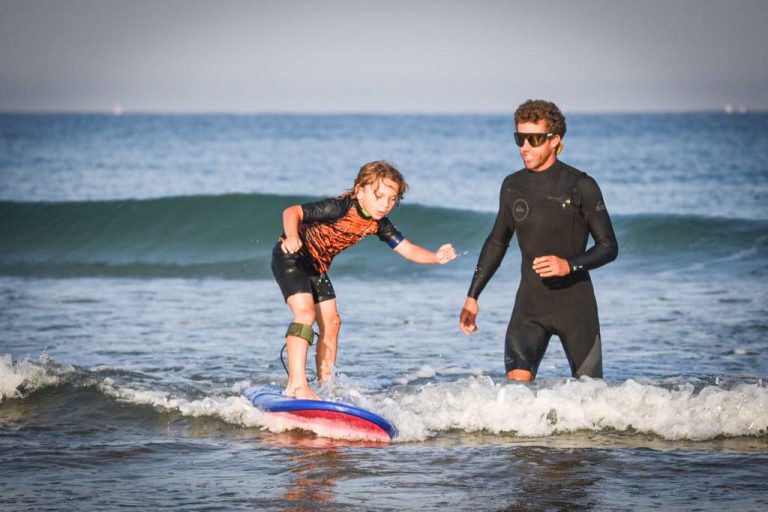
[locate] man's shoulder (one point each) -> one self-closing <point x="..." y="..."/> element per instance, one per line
<point x="567" y="168"/>
<point x="583" y="181"/>
<point x="579" y="177"/>
<point x="516" y="175"/>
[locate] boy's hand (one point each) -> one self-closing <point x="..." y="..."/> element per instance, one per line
<point x="445" y="254"/>
<point x="291" y="244"/>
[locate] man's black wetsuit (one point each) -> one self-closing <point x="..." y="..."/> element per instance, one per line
<point x="553" y="212"/>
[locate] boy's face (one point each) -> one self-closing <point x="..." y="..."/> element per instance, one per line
<point x="378" y="198"/>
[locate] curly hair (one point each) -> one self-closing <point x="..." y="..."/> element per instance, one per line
<point x="380" y="169"/>
<point x="533" y="111"/>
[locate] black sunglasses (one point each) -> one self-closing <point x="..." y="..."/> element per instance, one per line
<point x="534" y="139"/>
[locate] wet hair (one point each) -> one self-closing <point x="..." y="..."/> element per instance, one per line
<point x="533" y="111"/>
<point x="374" y="171"/>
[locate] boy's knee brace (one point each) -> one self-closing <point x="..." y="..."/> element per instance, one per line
<point x="303" y="331"/>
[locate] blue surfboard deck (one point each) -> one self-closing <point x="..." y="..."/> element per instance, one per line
<point x="349" y="420"/>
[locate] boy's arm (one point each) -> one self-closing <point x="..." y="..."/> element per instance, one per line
<point x="292" y="217"/>
<point x="418" y="254"/>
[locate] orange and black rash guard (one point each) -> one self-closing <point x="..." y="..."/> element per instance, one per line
<point x="331" y="225"/>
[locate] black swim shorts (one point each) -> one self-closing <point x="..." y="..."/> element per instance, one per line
<point x="293" y="276"/>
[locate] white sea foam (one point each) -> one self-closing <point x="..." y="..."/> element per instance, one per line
<point x="478" y="404"/>
<point x="28" y="375"/>
<point x="428" y="372"/>
<point x="425" y="372"/>
<point x="235" y="409"/>
<point x="232" y="409"/>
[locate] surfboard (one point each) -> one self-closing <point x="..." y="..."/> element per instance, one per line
<point x="328" y="419"/>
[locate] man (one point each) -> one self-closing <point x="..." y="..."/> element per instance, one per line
<point x="553" y="208"/>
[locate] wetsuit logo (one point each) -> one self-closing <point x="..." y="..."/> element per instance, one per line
<point x="600" y="206"/>
<point x="520" y="209"/>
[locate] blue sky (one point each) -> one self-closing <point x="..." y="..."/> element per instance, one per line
<point x="381" y="57"/>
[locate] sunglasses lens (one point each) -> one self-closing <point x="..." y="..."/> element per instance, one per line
<point x="534" y="139"/>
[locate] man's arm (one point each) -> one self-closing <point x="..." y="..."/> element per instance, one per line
<point x="606" y="247"/>
<point x="494" y="248"/>
<point x="491" y="255"/>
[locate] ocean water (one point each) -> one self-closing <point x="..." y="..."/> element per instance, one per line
<point x="136" y="303"/>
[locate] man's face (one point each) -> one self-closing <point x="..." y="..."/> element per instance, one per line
<point x="541" y="157"/>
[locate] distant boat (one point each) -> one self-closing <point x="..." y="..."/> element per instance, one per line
<point x="117" y="110"/>
<point x="730" y="109"/>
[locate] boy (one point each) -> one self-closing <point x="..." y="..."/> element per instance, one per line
<point x="314" y="234"/>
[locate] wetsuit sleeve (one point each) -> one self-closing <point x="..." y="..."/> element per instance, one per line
<point x="387" y="232"/>
<point x="606" y="247"/>
<point x="494" y="248"/>
<point x="326" y="210"/>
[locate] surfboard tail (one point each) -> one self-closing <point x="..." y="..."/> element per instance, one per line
<point x="333" y="425"/>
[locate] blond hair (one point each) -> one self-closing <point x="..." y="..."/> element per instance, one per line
<point x="380" y="169"/>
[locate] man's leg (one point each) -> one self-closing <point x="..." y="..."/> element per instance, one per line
<point x="526" y="343"/>
<point x="523" y="375"/>
<point x="579" y="329"/>
<point x="584" y="351"/>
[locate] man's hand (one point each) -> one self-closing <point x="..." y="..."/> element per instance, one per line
<point x="551" y="266"/>
<point x="468" y="315"/>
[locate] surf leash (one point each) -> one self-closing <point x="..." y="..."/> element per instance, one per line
<point x="283" y="360"/>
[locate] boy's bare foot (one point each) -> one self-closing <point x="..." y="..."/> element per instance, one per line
<point x="303" y="392"/>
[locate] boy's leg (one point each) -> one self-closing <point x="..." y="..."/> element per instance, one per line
<point x="303" y="309"/>
<point x="329" y="321"/>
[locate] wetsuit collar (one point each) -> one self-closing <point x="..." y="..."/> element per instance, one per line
<point x="555" y="164"/>
<point x="362" y="210"/>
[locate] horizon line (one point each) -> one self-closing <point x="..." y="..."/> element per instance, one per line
<point x="352" y="113"/>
